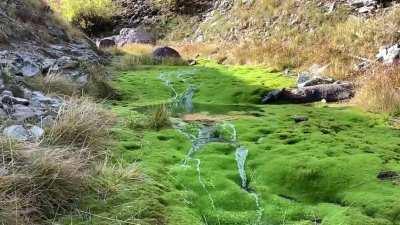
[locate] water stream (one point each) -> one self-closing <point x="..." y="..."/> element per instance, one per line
<point x="206" y="133"/>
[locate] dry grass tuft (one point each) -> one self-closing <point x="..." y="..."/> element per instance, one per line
<point x="37" y="182"/>
<point x="380" y="90"/>
<point x="81" y="123"/>
<point x="159" y="118"/>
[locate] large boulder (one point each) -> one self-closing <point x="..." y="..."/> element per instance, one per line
<point x="166" y="52"/>
<point x="131" y="35"/>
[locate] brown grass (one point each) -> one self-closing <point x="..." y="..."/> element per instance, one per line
<point x="380" y="90"/>
<point x="132" y="49"/>
<point x="81" y="123"/>
<point x="38" y="182"/>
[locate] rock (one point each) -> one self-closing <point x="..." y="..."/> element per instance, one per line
<point x="30" y="70"/>
<point x="17" y="132"/>
<point x="388" y="175"/>
<point x="47" y="121"/>
<point x="14" y="100"/>
<point x="3" y="115"/>
<point x="36" y="132"/>
<point x="389" y="54"/>
<point x="299" y="119"/>
<point x="166" y="52"/>
<point x="316" y="81"/>
<point x="6" y="93"/>
<point x="192" y="62"/>
<point x="106" y="42"/>
<point x="39" y="98"/>
<point x="330" y="92"/>
<point x="273" y="96"/>
<point x="313" y="76"/>
<point x="22" y="113"/>
<point x="130" y="36"/>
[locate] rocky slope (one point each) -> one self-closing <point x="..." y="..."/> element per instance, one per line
<point x="34" y="45"/>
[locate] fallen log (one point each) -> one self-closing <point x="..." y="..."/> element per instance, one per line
<point x="337" y="91"/>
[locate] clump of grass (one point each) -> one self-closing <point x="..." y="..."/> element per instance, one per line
<point x="135" y="121"/>
<point x="380" y="90"/>
<point x="159" y="118"/>
<point x="38" y="182"/>
<point x="82" y="123"/>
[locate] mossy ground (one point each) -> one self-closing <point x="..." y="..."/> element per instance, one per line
<point x="321" y="171"/>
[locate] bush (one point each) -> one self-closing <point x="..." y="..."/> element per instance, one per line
<point x="93" y="16"/>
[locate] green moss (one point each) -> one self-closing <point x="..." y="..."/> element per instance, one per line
<point x="323" y="170"/>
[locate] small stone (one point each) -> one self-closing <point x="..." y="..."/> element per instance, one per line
<point x="6" y="93"/>
<point x="14" y="100"/>
<point x="22" y="113"/>
<point x="17" y="132"/>
<point x="299" y="119"/>
<point x="36" y="132"/>
<point x="30" y="70"/>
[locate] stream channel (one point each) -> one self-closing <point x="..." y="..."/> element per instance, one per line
<point x="181" y="103"/>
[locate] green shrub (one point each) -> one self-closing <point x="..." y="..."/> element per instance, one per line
<point x="93" y="16"/>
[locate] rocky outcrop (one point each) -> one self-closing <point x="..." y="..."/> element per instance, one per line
<point x="130" y="35"/>
<point x="126" y="36"/>
<point x="33" y="44"/>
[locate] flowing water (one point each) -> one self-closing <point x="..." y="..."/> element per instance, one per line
<point x="206" y="134"/>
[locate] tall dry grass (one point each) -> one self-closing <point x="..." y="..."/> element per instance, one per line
<point x="81" y="123"/>
<point x="38" y="183"/>
<point x="379" y="90"/>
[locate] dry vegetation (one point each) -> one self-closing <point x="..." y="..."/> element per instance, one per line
<point x="42" y="180"/>
<point x="380" y="89"/>
<point x="38" y="182"/>
<point x="81" y="123"/>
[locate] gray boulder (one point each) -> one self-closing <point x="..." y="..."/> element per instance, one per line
<point x="10" y="100"/>
<point x="17" y="132"/>
<point x="166" y="52"/>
